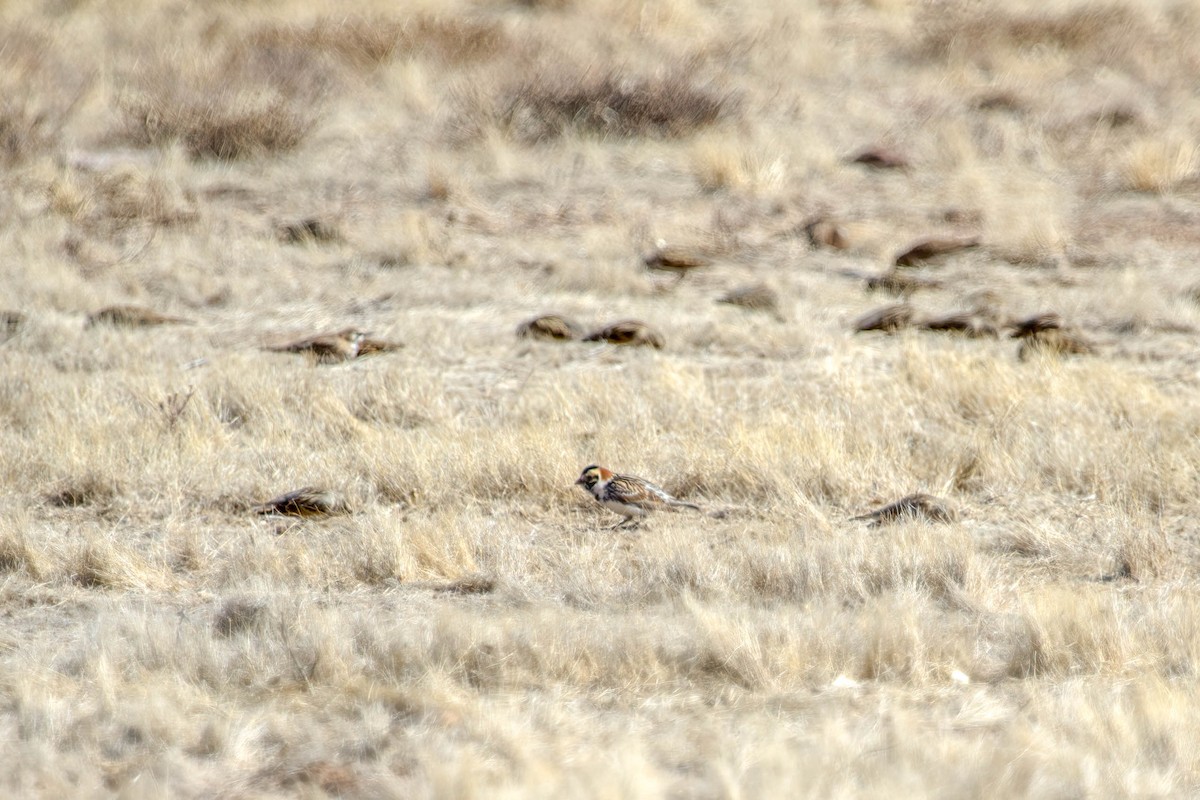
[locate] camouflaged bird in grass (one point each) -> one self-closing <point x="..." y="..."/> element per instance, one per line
<point x="127" y="316"/>
<point x="326" y="348"/>
<point x="307" y="502"/>
<point x="676" y="260"/>
<point x="549" y="326"/>
<point x="969" y="323"/>
<point x="630" y="332"/>
<point x="628" y="495"/>
<point x="924" y="251"/>
<point x="880" y="157"/>
<point x="914" y="506"/>
<point x="310" y="229"/>
<point x="888" y="319"/>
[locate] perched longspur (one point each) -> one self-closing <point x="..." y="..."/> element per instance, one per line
<point x="328" y="348"/>
<point x="678" y="261"/>
<point x="925" y="250"/>
<point x="913" y="506"/>
<point x="307" y="502"/>
<point x="970" y="323"/>
<point x="880" y="157"/>
<point x="549" y="326"/>
<point x="627" y="332"/>
<point x="627" y="495"/>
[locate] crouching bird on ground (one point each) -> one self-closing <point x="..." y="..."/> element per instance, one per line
<point x="627" y="495"/>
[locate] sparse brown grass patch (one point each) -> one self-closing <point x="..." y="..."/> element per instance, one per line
<point x="239" y="102"/>
<point x="613" y="104"/>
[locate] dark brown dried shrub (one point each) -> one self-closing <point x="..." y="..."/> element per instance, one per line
<point x="251" y="101"/>
<point x="614" y="105"/>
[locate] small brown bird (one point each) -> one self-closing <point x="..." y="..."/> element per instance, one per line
<point x="925" y="250"/>
<point x="679" y="261"/>
<point x="1032" y="326"/>
<point x="549" y="326"/>
<point x="310" y="229"/>
<point x="306" y="502"/>
<point x="373" y="347"/>
<point x="327" y="348"/>
<point x="880" y="157"/>
<point x="1054" y="341"/>
<point x="628" y="495"/>
<point x="826" y="232"/>
<point x="754" y="297"/>
<point x="899" y="283"/>
<point x="627" y="332"/>
<point x="914" y="506"/>
<point x="132" y="317"/>
<point x="969" y="323"/>
<point x="888" y="319"/>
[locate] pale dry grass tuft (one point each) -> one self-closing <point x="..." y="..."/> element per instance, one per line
<point x="723" y="164"/>
<point x="1156" y="165"/>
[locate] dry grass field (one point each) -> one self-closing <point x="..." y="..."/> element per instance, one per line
<point x="464" y="625"/>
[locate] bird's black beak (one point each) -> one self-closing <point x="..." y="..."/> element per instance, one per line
<point x="579" y="481"/>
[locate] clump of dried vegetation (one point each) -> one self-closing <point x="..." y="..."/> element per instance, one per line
<point x="613" y="104"/>
<point x="444" y="613"/>
<point x="249" y="101"/>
